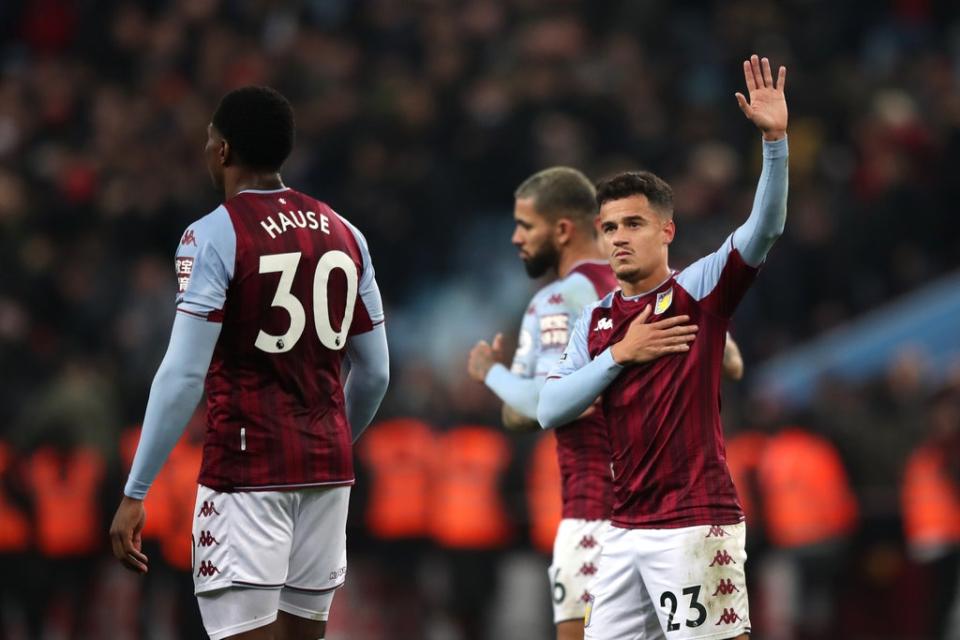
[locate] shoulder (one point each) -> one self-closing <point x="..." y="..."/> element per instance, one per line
<point x="215" y="228"/>
<point x="597" y="273"/>
<point x="352" y="228"/>
<point x="604" y="303"/>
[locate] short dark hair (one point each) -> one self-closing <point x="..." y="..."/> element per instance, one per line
<point x="258" y="124"/>
<point x="560" y="191"/>
<point x="635" y="183"/>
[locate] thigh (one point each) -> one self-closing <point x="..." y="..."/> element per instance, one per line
<point x="308" y="605"/>
<point x="241" y="539"/>
<point x="230" y="612"/>
<point x="620" y="607"/>
<point x="318" y="557"/>
<point x="576" y="557"/>
<point x="695" y="577"/>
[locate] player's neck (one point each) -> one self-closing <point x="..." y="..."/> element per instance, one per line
<point x="573" y="255"/>
<point x="236" y="181"/>
<point x="647" y="284"/>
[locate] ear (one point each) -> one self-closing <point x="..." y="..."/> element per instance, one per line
<point x="224" y="153"/>
<point x="563" y="231"/>
<point x="669" y="231"/>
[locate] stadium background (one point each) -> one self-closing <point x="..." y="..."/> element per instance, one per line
<point x="416" y="120"/>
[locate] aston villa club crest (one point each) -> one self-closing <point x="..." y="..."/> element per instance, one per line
<point x="664" y="299"/>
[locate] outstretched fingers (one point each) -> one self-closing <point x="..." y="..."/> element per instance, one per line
<point x="767" y="74"/>
<point x="781" y="78"/>
<point x="748" y="76"/>
<point x="757" y="74"/>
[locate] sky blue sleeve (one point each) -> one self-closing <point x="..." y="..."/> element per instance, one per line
<point x="729" y="278"/>
<point x="535" y="357"/>
<point x="754" y="238"/>
<point x="174" y="395"/>
<point x="205" y="262"/>
<point x="367" y="289"/>
<point x="368" y="377"/>
<point x="577" y="380"/>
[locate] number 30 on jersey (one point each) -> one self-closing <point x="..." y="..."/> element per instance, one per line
<point x="286" y="264"/>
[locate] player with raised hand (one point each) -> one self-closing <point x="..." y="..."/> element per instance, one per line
<point x="673" y="558"/>
<point x="555" y="213"/>
<point x="276" y="290"/>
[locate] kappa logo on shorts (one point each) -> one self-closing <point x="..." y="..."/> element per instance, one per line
<point x="588" y="569"/>
<point x="729" y="616"/>
<point x="725" y="588"/>
<point x="207" y="509"/>
<point x="722" y="558"/>
<point x="586" y="598"/>
<point x="587" y="542"/>
<point x="207" y="569"/>
<point x="716" y="532"/>
<point x="207" y="539"/>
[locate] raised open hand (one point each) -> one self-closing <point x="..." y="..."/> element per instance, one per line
<point x="767" y="107"/>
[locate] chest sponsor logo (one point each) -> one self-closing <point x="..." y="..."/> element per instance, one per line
<point x="604" y="324"/>
<point x="184" y="269"/>
<point x="664" y="298"/>
<point x="554" y="330"/>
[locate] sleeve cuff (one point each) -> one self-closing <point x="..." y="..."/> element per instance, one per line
<point x="497" y="376"/>
<point x="776" y="148"/>
<point x="606" y="359"/>
<point x="136" y="489"/>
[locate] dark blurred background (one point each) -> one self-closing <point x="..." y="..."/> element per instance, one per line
<point x="416" y="120"/>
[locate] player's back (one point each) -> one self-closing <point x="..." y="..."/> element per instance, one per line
<point x="274" y="392"/>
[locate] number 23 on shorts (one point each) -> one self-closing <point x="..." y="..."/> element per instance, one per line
<point x="668" y="598"/>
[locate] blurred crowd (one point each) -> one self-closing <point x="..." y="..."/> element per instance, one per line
<point x="416" y="119"/>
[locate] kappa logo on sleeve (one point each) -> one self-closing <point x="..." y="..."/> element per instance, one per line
<point x="184" y="270"/>
<point x="188" y="238"/>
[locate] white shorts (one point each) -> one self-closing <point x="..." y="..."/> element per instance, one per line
<point x="576" y="555"/>
<point x="670" y="583"/>
<point x="289" y="545"/>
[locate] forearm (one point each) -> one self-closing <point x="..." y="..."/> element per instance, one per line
<point x="756" y="236"/>
<point x="367" y="380"/>
<point x="519" y="393"/>
<point x="174" y="394"/>
<point x="564" y="399"/>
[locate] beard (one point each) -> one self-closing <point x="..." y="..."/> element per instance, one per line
<point x="542" y="261"/>
<point x="629" y="274"/>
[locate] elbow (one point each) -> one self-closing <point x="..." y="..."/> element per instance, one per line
<point x="381" y="380"/>
<point x="547" y="418"/>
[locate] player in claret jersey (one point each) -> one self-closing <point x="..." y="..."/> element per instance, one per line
<point x="555" y="212"/>
<point x="275" y="291"/>
<point x="673" y="560"/>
